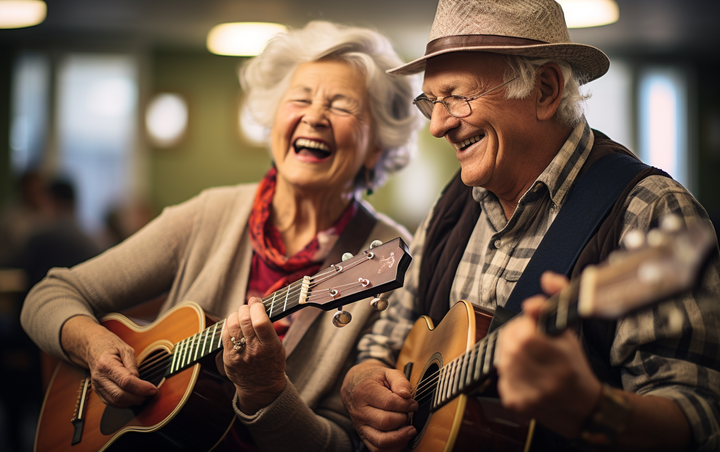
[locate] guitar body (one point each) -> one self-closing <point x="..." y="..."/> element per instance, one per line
<point x="467" y="422"/>
<point x="191" y="412"/>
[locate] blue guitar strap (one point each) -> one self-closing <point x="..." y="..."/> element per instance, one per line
<point x="587" y="206"/>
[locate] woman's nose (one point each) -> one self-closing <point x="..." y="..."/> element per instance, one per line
<point x="315" y="115"/>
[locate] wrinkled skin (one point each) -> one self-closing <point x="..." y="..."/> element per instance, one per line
<point x="258" y="369"/>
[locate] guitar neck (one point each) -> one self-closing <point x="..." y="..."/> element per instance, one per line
<point x="471" y="369"/>
<point x="370" y="272"/>
<point x="279" y="304"/>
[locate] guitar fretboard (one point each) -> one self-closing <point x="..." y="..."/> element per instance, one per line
<point x="474" y="367"/>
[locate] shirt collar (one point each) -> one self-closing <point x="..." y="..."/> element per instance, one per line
<point x="560" y="174"/>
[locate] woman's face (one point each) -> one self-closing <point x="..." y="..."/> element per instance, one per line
<point x="323" y="130"/>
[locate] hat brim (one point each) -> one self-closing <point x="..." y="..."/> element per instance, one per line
<point x="590" y="62"/>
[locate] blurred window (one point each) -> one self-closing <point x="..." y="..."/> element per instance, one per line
<point x="96" y="127"/>
<point x="663" y="124"/>
<point x="30" y="104"/>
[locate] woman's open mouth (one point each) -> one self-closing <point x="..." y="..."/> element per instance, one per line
<point x="311" y="149"/>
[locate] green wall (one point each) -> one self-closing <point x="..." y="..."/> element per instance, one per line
<point x="212" y="153"/>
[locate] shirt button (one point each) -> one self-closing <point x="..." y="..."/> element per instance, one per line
<point x="498" y="244"/>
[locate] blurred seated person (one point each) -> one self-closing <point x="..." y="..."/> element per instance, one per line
<point x="338" y="125"/>
<point x="22" y="216"/>
<point x="60" y="242"/>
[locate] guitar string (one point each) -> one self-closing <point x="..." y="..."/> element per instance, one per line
<point x="159" y="362"/>
<point x="149" y="369"/>
<point x="425" y="386"/>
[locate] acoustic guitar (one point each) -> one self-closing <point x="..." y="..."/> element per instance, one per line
<point x="451" y="366"/>
<point x="192" y="410"/>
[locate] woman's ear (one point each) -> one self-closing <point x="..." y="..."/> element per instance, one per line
<point x="551" y="84"/>
<point x="372" y="157"/>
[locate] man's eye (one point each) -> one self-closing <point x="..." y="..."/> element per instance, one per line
<point x="300" y="101"/>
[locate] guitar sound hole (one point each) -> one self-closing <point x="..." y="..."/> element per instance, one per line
<point x="154" y="366"/>
<point x="427" y="387"/>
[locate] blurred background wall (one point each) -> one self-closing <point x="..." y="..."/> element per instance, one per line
<point x="75" y="89"/>
<point x="76" y="92"/>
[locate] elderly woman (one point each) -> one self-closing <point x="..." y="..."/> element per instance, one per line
<point x="338" y="124"/>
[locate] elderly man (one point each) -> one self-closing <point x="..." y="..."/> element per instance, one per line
<point x="501" y="86"/>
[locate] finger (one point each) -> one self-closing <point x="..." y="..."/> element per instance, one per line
<point x="533" y="305"/>
<point x="382" y="420"/>
<point x="245" y="320"/>
<point x="261" y="323"/>
<point x="552" y="283"/>
<point x="130" y="381"/>
<point x="395" y="440"/>
<point x="399" y="383"/>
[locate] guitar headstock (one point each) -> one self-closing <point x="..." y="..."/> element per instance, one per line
<point x="665" y="262"/>
<point x="370" y="272"/>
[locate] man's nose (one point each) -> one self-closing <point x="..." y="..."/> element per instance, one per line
<point x="441" y="121"/>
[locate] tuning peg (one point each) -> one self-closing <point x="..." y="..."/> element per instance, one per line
<point x="380" y="303"/>
<point x="671" y="223"/>
<point x="341" y="318"/>
<point x="375" y="243"/>
<point x="346" y="256"/>
<point x="634" y="240"/>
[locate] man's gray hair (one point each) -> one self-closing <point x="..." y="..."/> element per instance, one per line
<point x="266" y="78"/>
<point x="570" y="111"/>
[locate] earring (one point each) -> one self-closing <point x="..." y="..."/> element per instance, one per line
<point x="369" y="176"/>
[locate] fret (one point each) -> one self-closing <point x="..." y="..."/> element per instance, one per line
<point x="487" y="367"/>
<point x="176" y="351"/>
<point x="457" y="373"/>
<point x="196" y="342"/>
<point x="463" y="371"/>
<point x="442" y="382"/>
<point x="222" y="330"/>
<point x="436" y="392"/>
<point x="471" y="365"/>
<point x="205" y="340"/>
<point x="272" y="305"/>
<point x="184" y="360"/>
<point x="481" y="358"/>
<point x="450" y="379"/>
<point x="287" y="294"/>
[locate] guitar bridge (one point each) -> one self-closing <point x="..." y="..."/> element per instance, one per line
<point x="78" y="419"/>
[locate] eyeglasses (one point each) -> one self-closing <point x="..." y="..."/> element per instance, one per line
<point x="458" y="106"/>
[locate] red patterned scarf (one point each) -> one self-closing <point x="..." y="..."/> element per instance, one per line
<point x="271" y="269"/>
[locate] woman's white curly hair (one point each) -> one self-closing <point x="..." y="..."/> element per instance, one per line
<point x="265" y="79"/>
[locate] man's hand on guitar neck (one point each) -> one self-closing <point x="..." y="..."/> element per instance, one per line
<point x="550" y="380"/>
<point x="378" y="400"/>
<point x="113" y="366"/>
<point x="545" y="378"/>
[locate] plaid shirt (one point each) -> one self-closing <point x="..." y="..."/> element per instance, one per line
<point x="654" y="361"/>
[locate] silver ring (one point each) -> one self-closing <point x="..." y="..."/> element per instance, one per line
<point x="238" y="344"/>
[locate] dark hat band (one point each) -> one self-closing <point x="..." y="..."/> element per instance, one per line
<point x="454" y="42"/>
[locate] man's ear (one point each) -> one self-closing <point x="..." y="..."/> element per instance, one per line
<point x="551" y="84"/>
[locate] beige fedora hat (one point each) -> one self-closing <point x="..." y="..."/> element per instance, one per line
<point x="532" y="28"/>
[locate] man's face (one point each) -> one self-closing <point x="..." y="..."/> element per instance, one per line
<point x="493" y="140"/>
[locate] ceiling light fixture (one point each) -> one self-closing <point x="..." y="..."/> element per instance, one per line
<point x="21" y="13"/>
<point x="242" y="38"/>
<point x="589" y="13"/>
